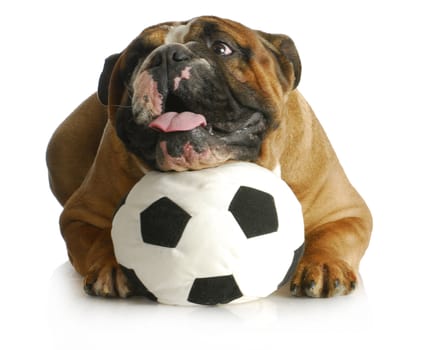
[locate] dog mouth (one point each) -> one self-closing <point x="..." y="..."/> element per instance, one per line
<point x="177" y="117"/>
<point x="175" y="104"/>
<point x="187" y="126"/>
<point x="186" y="140"/>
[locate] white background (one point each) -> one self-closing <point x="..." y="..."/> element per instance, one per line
<point x="364" y="75"/>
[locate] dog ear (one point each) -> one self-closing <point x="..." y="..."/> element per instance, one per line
<point x="285" y="51"/>
<point x="105" y="78"/>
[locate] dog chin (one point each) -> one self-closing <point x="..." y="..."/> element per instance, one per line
<point x="189" y="159"/>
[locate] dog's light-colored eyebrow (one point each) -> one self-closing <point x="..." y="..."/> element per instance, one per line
<point x="177" y="33"/>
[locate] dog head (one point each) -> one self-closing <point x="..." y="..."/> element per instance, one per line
<point x="195" y="94"/>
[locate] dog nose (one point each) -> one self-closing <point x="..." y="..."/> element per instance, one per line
<point x="179" y="53"/>
<point x="169" y="54"/>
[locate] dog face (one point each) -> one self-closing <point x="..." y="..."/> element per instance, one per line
<point x="191" y="95"/>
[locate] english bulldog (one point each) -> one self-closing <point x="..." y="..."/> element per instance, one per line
<point x="192" y="95"/>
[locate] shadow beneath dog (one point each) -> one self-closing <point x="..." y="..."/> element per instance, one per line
<point x="76" y="318"/>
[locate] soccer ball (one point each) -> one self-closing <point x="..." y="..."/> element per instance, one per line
<point x="220" y="235"/>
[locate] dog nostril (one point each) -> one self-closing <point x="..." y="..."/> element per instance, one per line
<point x="179" y="55"/>
<point x="156" y="61"/>
<point x="173" y="53"/>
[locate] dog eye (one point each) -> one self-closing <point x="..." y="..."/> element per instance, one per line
<point x="221" y="49"/>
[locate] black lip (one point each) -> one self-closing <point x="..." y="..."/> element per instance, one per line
<point x="229" y="127"/>
<point x="250" y="135"/>
<point x="199" y="139"/>
<point x="139" y="139"/>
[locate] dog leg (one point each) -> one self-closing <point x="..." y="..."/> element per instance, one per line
<point x="91" y="252"/>
<point x="330" y="262"/>
<point x="87" y="218"/>
<point x="338" y="222"/>
<point x="338" y="226"/>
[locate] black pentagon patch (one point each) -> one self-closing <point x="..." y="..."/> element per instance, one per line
<point x="254" y="211"/>
<point x="163" y="223"/>
<point x="214" y="290"/>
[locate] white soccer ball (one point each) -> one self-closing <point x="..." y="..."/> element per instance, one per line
<point x="221" y="235"/>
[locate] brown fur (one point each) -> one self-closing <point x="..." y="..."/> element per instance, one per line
<point x="90" y="171"/>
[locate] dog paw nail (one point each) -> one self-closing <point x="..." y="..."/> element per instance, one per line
<point x="336" y="283"/>
<point x="353" y="285"/>
<point x="88" y="288"/>
<point x="293" y="289"/>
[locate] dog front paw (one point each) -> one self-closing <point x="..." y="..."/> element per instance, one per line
<point x="109" y="281"/>
<point x="328" y="278"/>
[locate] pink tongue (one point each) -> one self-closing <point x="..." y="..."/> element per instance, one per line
<point x="173" y="121"/>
